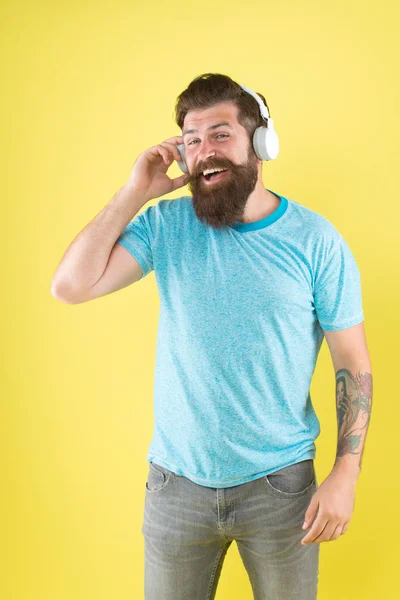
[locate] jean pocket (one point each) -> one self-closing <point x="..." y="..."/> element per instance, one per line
<point x="292" y="481"/>
<point x="157" y="477"/>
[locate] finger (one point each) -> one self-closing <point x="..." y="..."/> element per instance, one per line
<point x="180" y="181"/>
<point x="165" y="153"/>
<point x="345" y="527"/>
<point x="173" y="150"/>
<point x="176" y="139"/>
<point x="316" y="529"/>
<point x="156" y="152"/>
<point x="338" y="532"/>
<point x="327" y="533"/>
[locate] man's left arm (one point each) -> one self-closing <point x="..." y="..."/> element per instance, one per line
<point x="332" y="505"/>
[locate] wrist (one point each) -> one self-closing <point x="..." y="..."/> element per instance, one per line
<point x="134" y="190"/>
<point x="347" y="466"/>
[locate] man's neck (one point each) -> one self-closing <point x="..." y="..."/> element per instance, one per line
<point x="260" y="204"/>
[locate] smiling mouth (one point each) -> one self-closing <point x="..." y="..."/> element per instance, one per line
<point x="211" y="177"/>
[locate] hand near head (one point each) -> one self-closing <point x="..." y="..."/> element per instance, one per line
<point x="149" y="173"/>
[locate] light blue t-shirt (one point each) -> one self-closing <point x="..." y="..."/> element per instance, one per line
<point x="242" y="313"/>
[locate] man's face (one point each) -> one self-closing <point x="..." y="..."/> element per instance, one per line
<point x="219" y="201"/>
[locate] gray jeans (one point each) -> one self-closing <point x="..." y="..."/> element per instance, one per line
<point x="188" y="529"/>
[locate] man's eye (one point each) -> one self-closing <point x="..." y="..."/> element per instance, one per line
<point x="218" y="134"/>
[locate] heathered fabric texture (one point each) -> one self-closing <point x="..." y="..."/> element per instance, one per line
<point x="242" y="313"/>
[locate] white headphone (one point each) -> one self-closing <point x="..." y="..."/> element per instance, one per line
<point x="265" y="138"/>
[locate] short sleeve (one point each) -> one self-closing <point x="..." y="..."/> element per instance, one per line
<point x="337" y="289"/>
<point x="137" y="239"/>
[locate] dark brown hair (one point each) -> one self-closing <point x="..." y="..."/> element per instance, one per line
<point x="211" y="88"/>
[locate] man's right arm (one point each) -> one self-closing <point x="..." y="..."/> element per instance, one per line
<point x="94" y="264"/>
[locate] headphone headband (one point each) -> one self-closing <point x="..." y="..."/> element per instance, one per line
<point x="263" y="108"/>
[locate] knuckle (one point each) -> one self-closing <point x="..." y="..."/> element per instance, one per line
<point x="330" y="514"/>
<point x="167" y="145"/>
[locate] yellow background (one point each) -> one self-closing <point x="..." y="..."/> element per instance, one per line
<point x="86" y="88"/>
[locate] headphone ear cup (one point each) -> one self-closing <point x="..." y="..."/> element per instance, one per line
<point x="266" y="143"/>
<point x="182" y="164"/>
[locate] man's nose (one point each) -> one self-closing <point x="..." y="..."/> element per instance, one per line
<point x="207" y="150"/>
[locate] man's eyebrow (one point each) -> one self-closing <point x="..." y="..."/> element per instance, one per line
<point x="223" y="123"/>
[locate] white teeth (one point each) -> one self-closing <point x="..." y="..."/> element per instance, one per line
<point x="207" y="171"/>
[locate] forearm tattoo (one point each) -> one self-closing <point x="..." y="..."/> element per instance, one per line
<point x="353" y="405"/>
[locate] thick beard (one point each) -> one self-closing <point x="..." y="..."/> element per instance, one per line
<point x="222" y="204"/>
